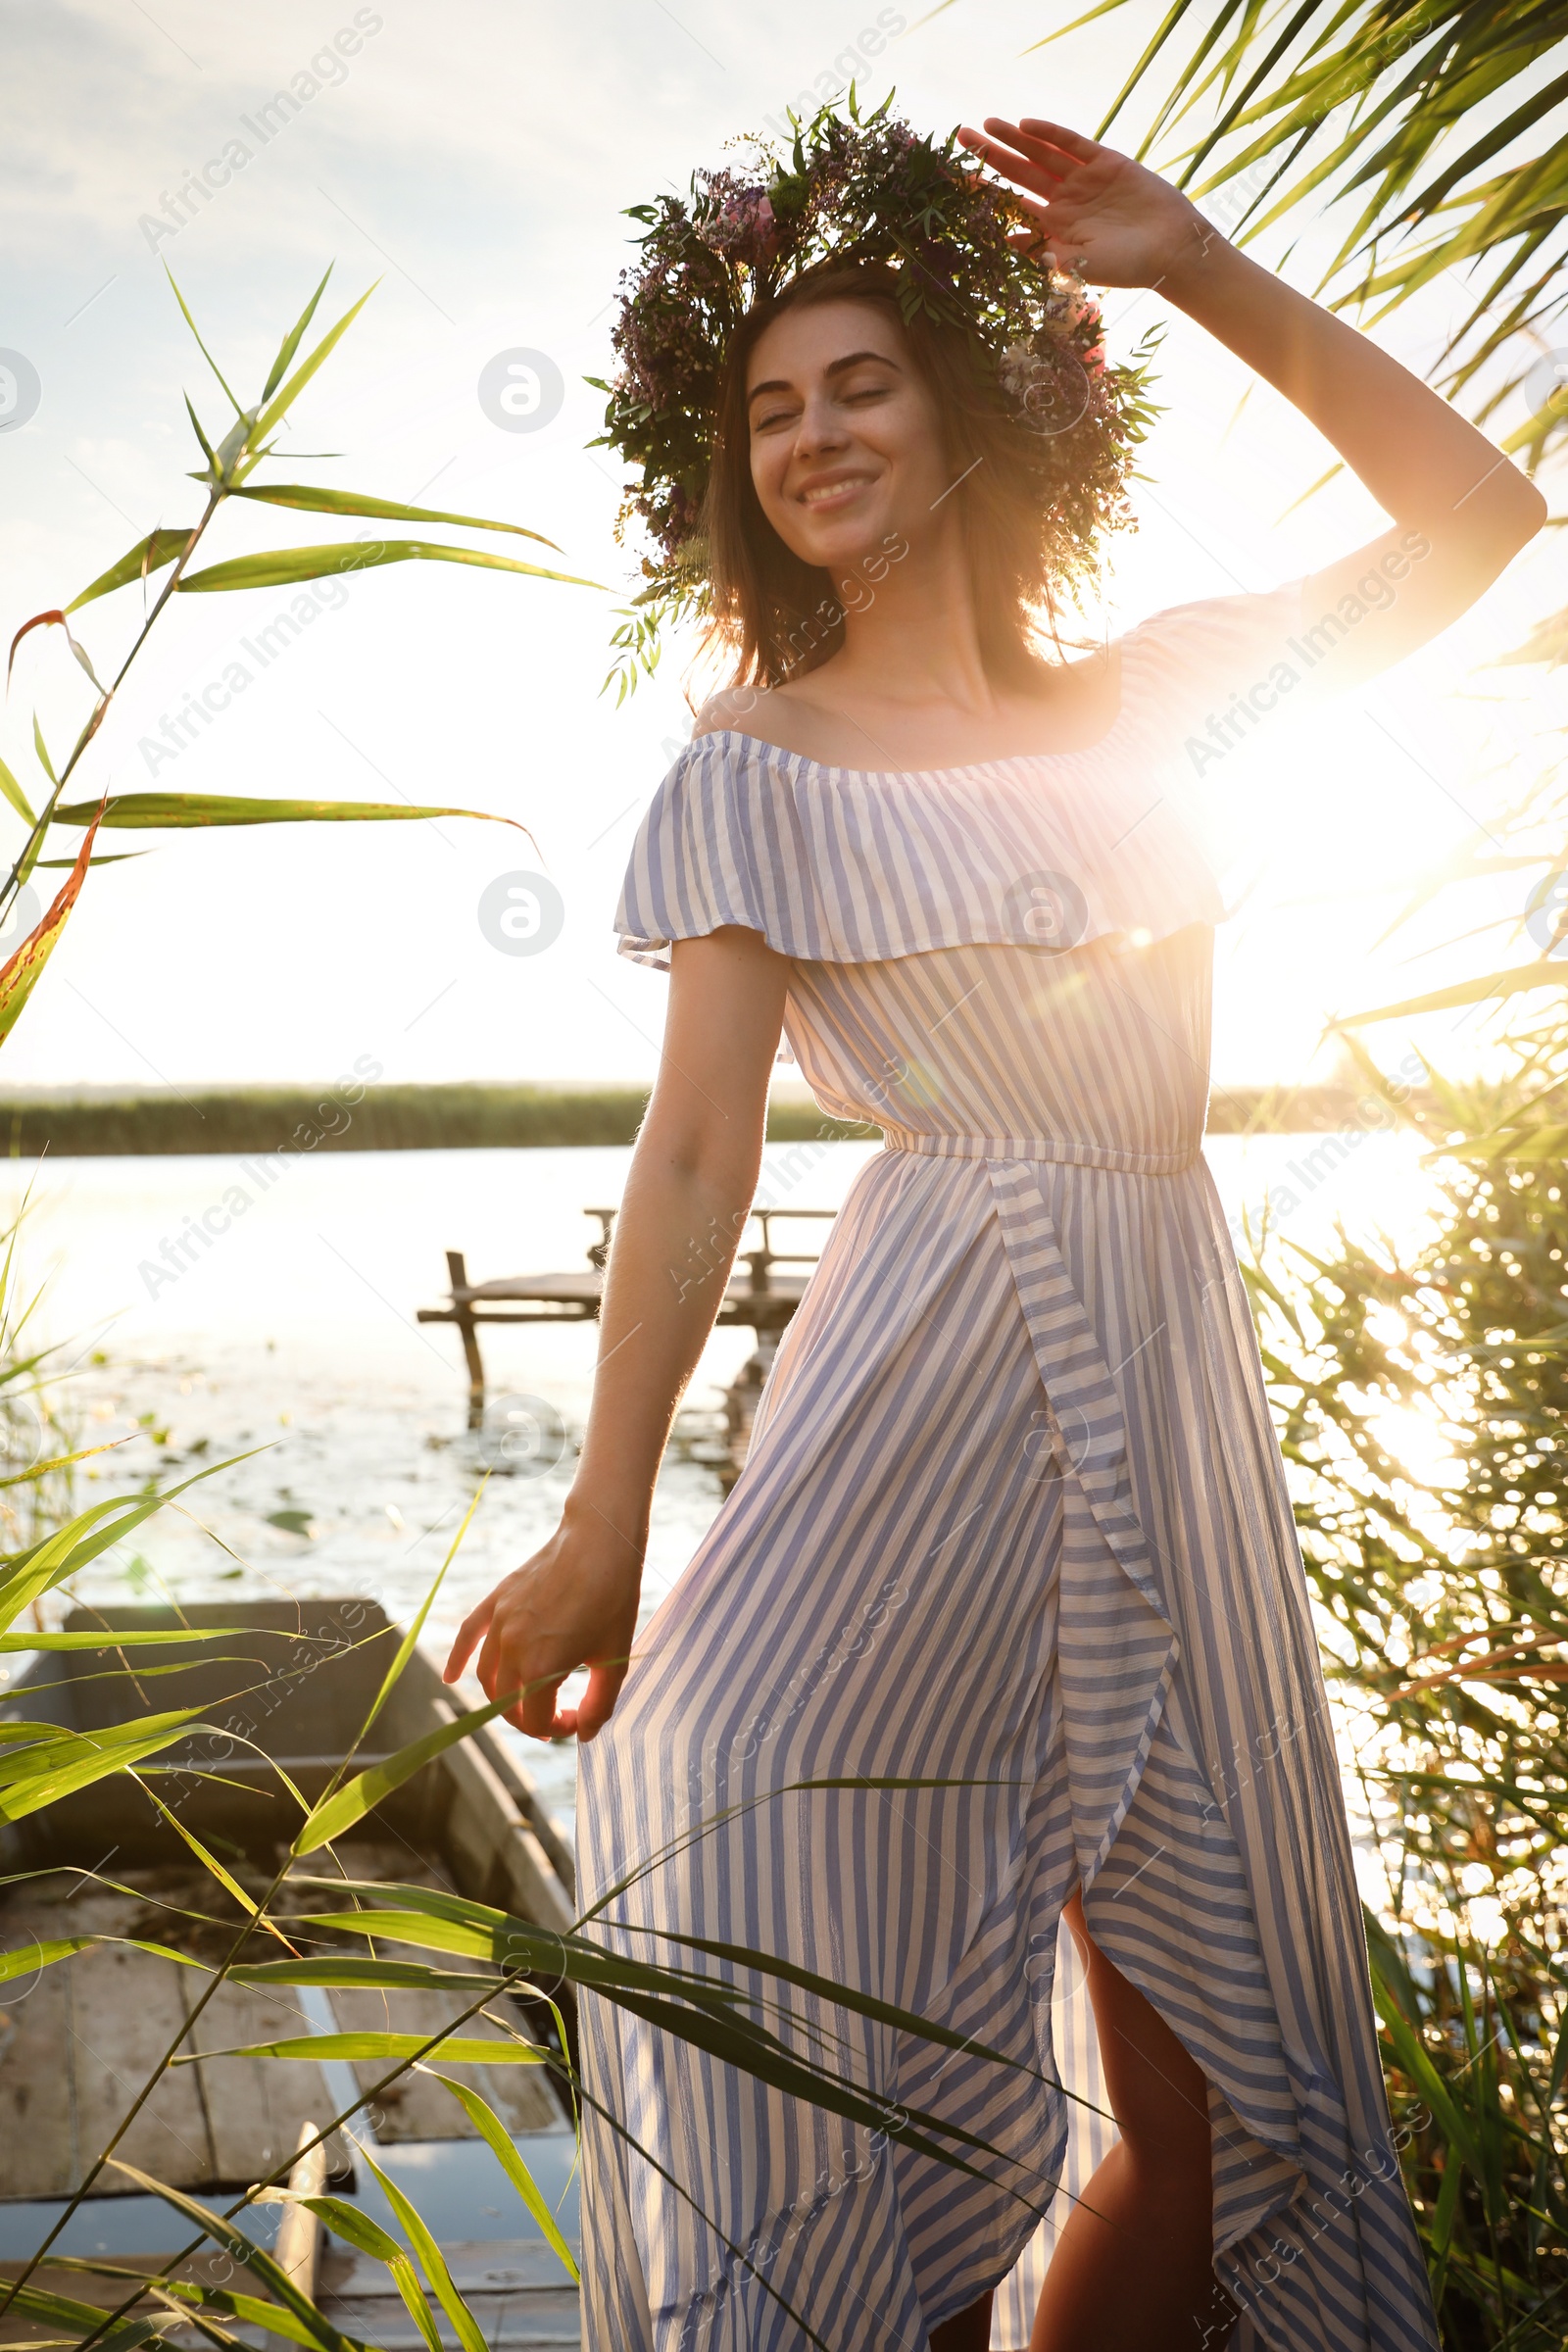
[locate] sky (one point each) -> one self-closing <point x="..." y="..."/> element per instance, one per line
<point x="477" y="159"/>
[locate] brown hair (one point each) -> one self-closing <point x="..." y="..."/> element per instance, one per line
<point x="775" y="617"/>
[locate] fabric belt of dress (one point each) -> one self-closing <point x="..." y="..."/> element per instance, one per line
<point x="1116" y="1647"/>
<point x="1061" y="1151"/>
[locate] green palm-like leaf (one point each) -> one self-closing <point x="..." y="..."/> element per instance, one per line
<point x="216" y="2226"/>
<point x="140" y="811"/>
<point x="338" y="1813"/>
<point x="200" y="345"/>
<point x="277" y="405"/>
<point x="41" y="1774"/>
<point x="458" y="2050"/>
<point x="470" y="2334"/>
<point x="15" y="795"/>
<point x="287" y="566"/>
<point x="148" y="555"/>
<point x="84" y="2319"/>
<point x="27" y="1575"/>
<point x="313" y="501"/>
<point x="291" y="341"/>
<point x="252" y="2309"/>
<point x="357" y="2230"/>
<point x="1395" y="110"/>
<point x="377" y="1975"/>
<point x="1524" y="976"/>
<point x="411" y="1639"/>
<point x="493" y="2131"/>
<point x="30" y="1956"/>
<point x="118" y="1637"/>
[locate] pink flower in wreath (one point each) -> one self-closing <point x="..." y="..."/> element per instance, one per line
<point x="744" y="227"/>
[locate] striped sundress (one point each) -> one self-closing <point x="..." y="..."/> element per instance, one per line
<point x="1015" y="1520"/>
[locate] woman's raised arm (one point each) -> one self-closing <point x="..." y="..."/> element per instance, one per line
<point x="690" y="1189"/>
<point x="1460" y="511"/>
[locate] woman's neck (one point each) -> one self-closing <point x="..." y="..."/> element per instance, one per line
<point x="913" y="638"/>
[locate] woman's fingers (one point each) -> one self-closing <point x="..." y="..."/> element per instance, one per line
<point x="593" y="1710"/>
<point x="535" y="1712"/>
<point x="1057" y="135"/>
<point x="501" y="1666"/>
<point x="533" y="1632"/>
<point x="1047" y="154"/>
<point x="477" y="1622"/>
<point x="1010" y="163"/>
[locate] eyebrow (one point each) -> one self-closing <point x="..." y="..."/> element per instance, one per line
<point x="851" y="359"/>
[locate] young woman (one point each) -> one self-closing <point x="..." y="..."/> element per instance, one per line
<point x="993" y="1684"/>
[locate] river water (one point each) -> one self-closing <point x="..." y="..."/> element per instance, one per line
<point x="290" y="1336"/>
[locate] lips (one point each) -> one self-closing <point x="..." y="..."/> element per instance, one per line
<point x="831" y="490"/>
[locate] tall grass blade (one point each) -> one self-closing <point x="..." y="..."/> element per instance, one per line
<point x="385" y="510"/>
<point x="28" y="1781"/>
<point x="458" y="2050"/>
<point x="340" y="1812"/>
<point x="291" y="341"/>
<point x="15" y="795"/>
<point x="37" y="1955"/>
<point x="279" y="406"/>
<point x="233" y="2241"/>
<point x="29" y="1574"/>
<point x="148" y="555"/>
<point x="252" y="2309"/>
<point x="210" y="1862"/>
<point x="409" y="1640"/>
<point x="140" y="811"/>
<point x="1544" y="974"/>
<point x="38" y="743"/>
<point x="24" y="970"/>
<point x="379" y="1976"/>
<point x="357" y="2230"/>
<point x="200" y="345"/>
<point x="492" y="2129"/>
<point x="287" y="566"/>
<point x="121" y="1638"/>
<point x="62" y="2311"/>
<point x="470" y="2334"/>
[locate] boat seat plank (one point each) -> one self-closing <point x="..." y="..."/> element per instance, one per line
<point x="256" y="2106"/>
<point x="40" y="2149"/>
<point x="516" y="2289"/>
<point x="508" y="2323"/>
<point x="126" y="2009"/>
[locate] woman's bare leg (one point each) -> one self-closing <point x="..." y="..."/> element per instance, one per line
<point x="1133" y="2268"/>
<point x="966" y="2332"/>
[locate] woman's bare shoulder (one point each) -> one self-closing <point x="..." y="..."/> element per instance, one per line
<point x="735" y="707"/>
<point x="782" y="716"/>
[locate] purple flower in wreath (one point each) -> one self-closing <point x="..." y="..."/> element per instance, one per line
<point x="741" y="226"/>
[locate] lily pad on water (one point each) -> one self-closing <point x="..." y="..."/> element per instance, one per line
<point x="294" y="1523"/>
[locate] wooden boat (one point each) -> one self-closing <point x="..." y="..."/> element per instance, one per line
<point x="759" y="1297"/>
<point x="77" y="2039"/>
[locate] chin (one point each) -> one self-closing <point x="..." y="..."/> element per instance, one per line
<point x="840" y="544"/>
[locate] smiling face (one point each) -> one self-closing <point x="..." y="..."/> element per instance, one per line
<point x="845" y="444"/>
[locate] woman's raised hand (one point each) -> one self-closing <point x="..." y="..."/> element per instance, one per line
<point x="1118" y="223"/>
<point x="573" y="1604"/>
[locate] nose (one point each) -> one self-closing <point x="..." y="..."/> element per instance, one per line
<point x="821" y="426"/>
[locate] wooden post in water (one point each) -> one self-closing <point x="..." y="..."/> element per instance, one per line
<point x="299" y="2239"/>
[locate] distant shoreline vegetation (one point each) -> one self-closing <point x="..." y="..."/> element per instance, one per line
<point x="105" y="1122"/>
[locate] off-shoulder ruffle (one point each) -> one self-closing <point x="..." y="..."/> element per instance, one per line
<point x="844" y="866"/>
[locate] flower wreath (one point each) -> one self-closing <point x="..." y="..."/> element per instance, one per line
<point x="854" y="190"/>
